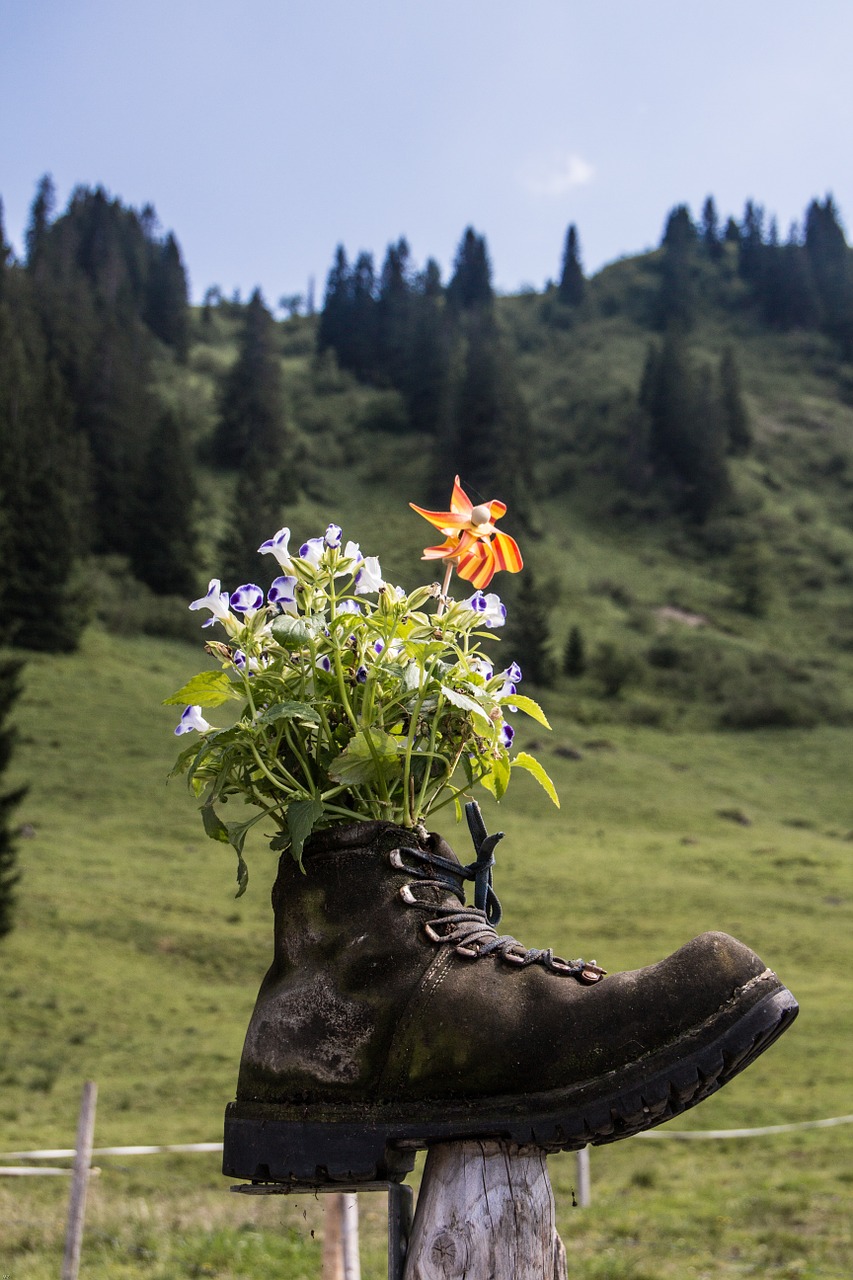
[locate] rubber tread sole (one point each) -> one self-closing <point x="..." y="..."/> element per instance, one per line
<point x="320" y="1147"/>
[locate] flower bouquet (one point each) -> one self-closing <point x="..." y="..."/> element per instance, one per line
<point x="358" y="700"/>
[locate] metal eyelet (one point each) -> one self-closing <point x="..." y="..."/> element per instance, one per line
<point x="407" y="895"/>
<point x="396" y="860"/>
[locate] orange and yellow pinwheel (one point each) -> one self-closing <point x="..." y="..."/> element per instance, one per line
<point x="471" y="540"/>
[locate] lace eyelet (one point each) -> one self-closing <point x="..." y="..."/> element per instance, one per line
<point x="407" y="895"/>
<point x="514" y="957"/>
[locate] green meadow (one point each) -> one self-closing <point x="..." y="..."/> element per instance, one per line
<point x="132" y="964"/>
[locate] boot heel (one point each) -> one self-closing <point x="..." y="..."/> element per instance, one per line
<point x="270" y="1149"/>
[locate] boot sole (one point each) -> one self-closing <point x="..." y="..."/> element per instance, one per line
<point x="319" y="1146"/>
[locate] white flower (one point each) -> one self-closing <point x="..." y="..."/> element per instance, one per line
<point x="217" y="602"/>
<point x="277" y="547"/>
<point x="369" y="577"/>
<point x="192" y="719"/>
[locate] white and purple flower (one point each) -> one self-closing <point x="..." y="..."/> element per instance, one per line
<point x="248" y="598"/>
<point x="491" y="611"/>
<point x="192" y="721"/>
<point x="332" y="536"/>
<point x="312" y="550"/>
<point x="278" y="547"/>
<point x="217" y="602"/>
<point x="511" y="678"/>
<point x="283" y="593"/>
<point x="369" y="577"/>
<point x="506" y="736"/>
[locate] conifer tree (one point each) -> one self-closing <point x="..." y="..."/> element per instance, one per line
<point x="40" y="482"/>
<point x="167" y="303"/>
<point x="394" y="316"/>
<point x="710" y="230"/>
<point x="251" y="406"/>
<point x="572" y="286"/>
<point x="335" y="317"/>
<point x="471" y="283"/>
<point x="687" y="437"/>
<point x="574" y="657"/>
<point x="735" y="414"/>
<point x="41" y="213"/>
<point x="529" y="633"/>
<point x="426" y="376"/>
<point x="677" y="296"/>
<point x="10" y="670"/>
<point x="164" y="555"/>
<point x="832" y="267"/>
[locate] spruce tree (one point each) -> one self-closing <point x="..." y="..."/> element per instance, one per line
<point x="41" y="213"/>
<point x="394" y="317"/>
<point x="471" y="283"/>
<point x="710" y="230"/>
<point x="10" y="670"/>
<point x="167" y="302"/>
<point x="574" y="656"/>
<point x="164" y="555"/>
<point x="251" y="405"/>
<point x="528" y="636"/>
<point x="735" y="414"/>
<point x="426" y="376"/>
<point x="677" y="296"/>
<point x="336" y="317"/>
<point x="832" y="268"/>
<point x="572" y="286"/>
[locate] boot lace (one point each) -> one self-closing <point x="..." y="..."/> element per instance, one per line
<point x="471" y="930"/>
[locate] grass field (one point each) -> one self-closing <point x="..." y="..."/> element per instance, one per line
<point x="133" y="965"/>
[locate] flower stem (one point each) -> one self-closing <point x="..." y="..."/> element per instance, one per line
<point x="445" y="587"/>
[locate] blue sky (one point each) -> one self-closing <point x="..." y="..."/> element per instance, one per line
<point x="266" y="132"/>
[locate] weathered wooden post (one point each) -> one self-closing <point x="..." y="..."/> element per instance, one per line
<point x="486" y="1212"/>
<point x="80" y="1182"/>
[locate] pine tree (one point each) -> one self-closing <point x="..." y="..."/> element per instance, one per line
<point x="572" y="286"/>
<point x="574" y="657"/>
<point x="832" y="267"/>
<point x="40" y="482"/>
<point x="41" y="213"/>
<point x="687" y="436"/>
<point x="677" y="296"/>
<point x="335" y="318"/>
<point x="394" y="316"/>
<point x="710" y="230"/>
<point x="10" y="670"/>
<point x="426" y="377"/>
<point x="528" y="636"/>
<point x="164" y="556"/>
<point x="735" y="414"/>
<point x="251" y="406"/>
<point x="471" y="283"/>
<point x="167" y="302"/>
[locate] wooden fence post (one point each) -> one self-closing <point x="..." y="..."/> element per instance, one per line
<point x="80" y="1182"/>
<point x="486" y="1211"/>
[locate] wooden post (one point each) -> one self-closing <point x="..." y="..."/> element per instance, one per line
<point x="485" y="1211"/>
<point x="333" y="1236"/>
<point x="80" y="1182"/>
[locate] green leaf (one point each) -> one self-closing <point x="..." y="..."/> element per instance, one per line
<point x="301" y="817"/>
<point x="357" y="763"/>
<point x="213" y="824"/>
<point x="497" y="780"/>
<point x="208" y="689"/>
<point x="527" y="705"/>
<point x="461" y="700"/>
<point x="242" y="876"/>
<point x="293" y="633"/>
<point x="289" y="711"/>
<point x="528" y="762"/>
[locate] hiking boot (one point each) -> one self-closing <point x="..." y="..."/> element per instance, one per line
<point x="394" y="1016"/>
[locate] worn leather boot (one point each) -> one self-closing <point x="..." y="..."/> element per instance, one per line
<point x="394" y="1016"/>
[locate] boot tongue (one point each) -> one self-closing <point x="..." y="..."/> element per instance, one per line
<point x="438" y="845"/>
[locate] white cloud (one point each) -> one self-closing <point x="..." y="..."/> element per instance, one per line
<point x="555" y="174"/>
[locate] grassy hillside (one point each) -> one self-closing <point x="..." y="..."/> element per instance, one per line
<point x="711" y="790"/>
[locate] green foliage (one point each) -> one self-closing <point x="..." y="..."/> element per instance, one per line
<point x="350" y="709"/>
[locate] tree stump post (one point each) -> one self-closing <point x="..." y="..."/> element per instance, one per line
<point x="485" y="1211"/>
